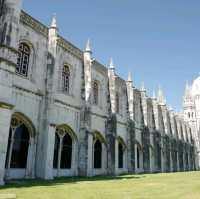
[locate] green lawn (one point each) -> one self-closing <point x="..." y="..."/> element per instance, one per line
<point x="152" y="186"/>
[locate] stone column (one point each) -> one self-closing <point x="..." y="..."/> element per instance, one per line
<point x="131" y="148"/>
<point x="30" y="168"/>
<point x="5" y="118"/>
<point x="83" y="152"/>
<point x="116" y="156"/>
<point x="104" y="158"/>
<point x="171" y="162"/>
<point x="162" y="156"/>
<point x="136" y="160"/>
<point x="152" y="155"/>
<point x="59" y="154"/>
<point x="50" y="141"/>
<point x="151" y="159"/>
<point x="184" y="165"/>
<point x="178" y="163"/>
<point x="111" y="153"/>
<point x="90" y="155"/>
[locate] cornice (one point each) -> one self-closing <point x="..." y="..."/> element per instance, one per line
<point x="34" y="24"/>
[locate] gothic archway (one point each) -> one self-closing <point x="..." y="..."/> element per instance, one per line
<point x="20" y="145"/>
<point x="64" y="148"/>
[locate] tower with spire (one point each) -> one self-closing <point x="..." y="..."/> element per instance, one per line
<point x="188" y="104"/>
<point x="160" y="97"/>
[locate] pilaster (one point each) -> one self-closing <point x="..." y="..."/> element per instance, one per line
<point x="5" y="119"/>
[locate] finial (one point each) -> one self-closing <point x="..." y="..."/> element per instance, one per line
<point x="142" y="87"/>
<point x="130" y="77"/>
<point x="53" y="21"/>
<point x="88" y="48"/>
<point x="187" y="89"/>
<point x="161" y="98"/>
<point x="170" y="108"/>
<point x="111" y="64"/>
<point x="154" y="95"/>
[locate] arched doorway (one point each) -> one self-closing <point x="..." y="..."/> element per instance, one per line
<point x="97" y="154"/>
<point x="20" y="148"/>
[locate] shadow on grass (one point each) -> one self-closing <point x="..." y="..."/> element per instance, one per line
<point x="64" y="180"/>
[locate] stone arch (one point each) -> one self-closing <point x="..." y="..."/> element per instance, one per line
<point x="121" y="149"/>
<point x="69" y="130"/>
<point x="26" y="120"/>
<point x="121" y="140"/>
<point x="139" y="145"/>
<point x="21" y="147"/>
<point x="99" y="147"/>
<point x="64" y="148"/>
<point x="98" y="135"/>
<point x="138" y="155"/>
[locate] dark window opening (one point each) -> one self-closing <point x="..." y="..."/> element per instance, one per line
<point x="97" y="154"/>
<point x="66" y="153"/>
<point x="95" y="92"/>
<point x="120" y="156"/>
<point x="56" y="151"/>
<point x="117" y="102"/>
<point x="138" y="158"/>
<point x="20" y="147"/>
<point x="66" y="78"/>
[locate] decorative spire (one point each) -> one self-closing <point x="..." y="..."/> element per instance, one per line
<point x="111" y="64"/>
<point x="187" y="89"/>
<point x="53" y="21"/>
<point x="154" y="95"/>
<point x="161" y="98"/>
<point x="88" y="48"/>
<point x="142" y="87"/>
<point x="170" y="108"/>
<point x="130" y="77"/>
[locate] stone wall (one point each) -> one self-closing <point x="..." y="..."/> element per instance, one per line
<point x="154" y="139"/>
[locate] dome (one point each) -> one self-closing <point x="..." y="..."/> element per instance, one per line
<point x="196" y="87"/>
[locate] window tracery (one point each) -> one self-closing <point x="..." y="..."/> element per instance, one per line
<point x="23" y="59"/>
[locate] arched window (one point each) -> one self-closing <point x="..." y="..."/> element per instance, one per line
<point x="138" y="157"/>
<point x="120" y="156"/>
<point x="62" y="149"/>
<point x="158" y="155"/>
<point x="117" y="102"/>
<point x="66" y="78"/>
<point x="23" y="59"/>
<point x="97" y="154"/>
<point x="56" y="151"/>
<point x="95" y="93"/>
<point x="20" y="144"/>
<point x="66" y="153"/>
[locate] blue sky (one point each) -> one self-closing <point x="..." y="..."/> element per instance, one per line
<point x="158" y="41"/>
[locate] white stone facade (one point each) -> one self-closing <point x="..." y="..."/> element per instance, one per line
<point x="84" y="121"/>
<point x="191" y="112"/>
